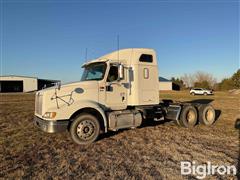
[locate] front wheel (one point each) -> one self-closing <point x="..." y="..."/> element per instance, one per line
<point x="205" y="94"/>
<point x="85" y="129"/>
<point x="193" y="94"/>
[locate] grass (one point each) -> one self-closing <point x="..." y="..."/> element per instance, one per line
<point x="150" y="152"/>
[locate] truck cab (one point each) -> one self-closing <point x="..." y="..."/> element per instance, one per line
<point x="118" y="90"/>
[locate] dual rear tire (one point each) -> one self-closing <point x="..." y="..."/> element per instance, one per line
<point x="206" y="114"/>
<point x="190" y="116"/>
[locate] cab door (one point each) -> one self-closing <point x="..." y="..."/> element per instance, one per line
<point x="116" y="90"/>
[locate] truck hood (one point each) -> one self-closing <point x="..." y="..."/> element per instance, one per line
<point x="66" y="97"/>
<point x="69" y="87"/>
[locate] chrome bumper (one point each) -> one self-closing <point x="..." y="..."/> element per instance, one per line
<point x="51" y="126"/>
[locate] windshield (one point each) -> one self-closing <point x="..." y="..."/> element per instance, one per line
<point x="94" y="71"/>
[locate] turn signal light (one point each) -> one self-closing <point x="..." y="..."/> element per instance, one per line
<point x="50" y="115"/>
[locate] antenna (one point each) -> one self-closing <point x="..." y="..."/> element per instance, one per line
<point x="86" y="54"/>
<point x="118" y="45"/>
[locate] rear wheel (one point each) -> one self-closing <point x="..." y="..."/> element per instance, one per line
<point x="85" y="129"/>
<point x="204" y="93"/>
<point x="206" y="114"/>
<point x="188" y="117"/>
<point x="192" y="93"/>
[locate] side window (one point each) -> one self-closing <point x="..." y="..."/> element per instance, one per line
<point x="113" y="74"/>
<point x="146" y="58"/>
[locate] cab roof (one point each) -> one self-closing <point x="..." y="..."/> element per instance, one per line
<point x="122" y="54"/>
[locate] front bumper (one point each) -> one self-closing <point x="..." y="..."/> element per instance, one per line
<point x="51" y="126"/>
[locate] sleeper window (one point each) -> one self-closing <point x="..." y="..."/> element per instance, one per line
<point x="146" y="58"/>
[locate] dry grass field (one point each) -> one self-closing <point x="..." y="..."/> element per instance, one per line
<point x="150" y="152"/>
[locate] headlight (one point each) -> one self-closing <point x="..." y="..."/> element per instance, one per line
<point x="49" y="115"/>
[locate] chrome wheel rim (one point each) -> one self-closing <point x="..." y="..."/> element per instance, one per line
<point x="85" y="129"/>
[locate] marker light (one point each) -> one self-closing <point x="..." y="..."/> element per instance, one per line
<point x="50" y="115"/>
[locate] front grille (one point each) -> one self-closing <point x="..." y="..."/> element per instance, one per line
<point x="38" y="104"/>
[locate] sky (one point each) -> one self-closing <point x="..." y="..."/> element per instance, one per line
<point x="48" y="39"/>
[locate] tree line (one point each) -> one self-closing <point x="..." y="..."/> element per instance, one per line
<point x="206" y="80"/>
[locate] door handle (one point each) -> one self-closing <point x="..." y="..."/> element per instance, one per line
<point x="101" y="88"/>
<point x="109" y="88"/>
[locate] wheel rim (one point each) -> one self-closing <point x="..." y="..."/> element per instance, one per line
<point x="209" y="115"/>
<point x="85" y="129"/>
<point x="191" y="117"/>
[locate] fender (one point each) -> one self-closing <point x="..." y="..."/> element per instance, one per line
<point x="67" y="111"/>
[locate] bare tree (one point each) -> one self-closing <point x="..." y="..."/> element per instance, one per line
<point x="190" y="79"/>
<point x="203" y="76"/>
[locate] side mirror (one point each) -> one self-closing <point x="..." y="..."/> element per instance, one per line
<point x="120" y="72"/>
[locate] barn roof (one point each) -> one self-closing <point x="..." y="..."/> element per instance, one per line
<point x="20" y="76"/>
<point x="161" y="79"/>
<point x="11" y="75"/>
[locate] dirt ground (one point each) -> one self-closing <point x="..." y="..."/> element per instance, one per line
<point x="150" y="152"/>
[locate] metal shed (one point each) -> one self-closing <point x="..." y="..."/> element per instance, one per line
<point x="165" y="84"/>
<point x="13" y="83"/>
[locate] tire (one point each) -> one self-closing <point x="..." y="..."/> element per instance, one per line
<point x="192" y="93"/>
<point x="206" y="114"/>
<point x="85" y="129"/>
<point x="188" y="117"/>
<point x="205" y="94"/>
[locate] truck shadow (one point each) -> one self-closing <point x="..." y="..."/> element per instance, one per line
<point x="151" y="122"/>
<point x="146" y="123"/>
<point x="201" y="101"/>
<point x="218" y="113"/>
<point x="195" y="101"/>
<point x="237" y="126"/>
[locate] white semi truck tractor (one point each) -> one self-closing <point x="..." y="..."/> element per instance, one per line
<point x="118" y="90"/>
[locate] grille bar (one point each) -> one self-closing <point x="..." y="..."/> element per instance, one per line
<point x="38" y="104"/>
